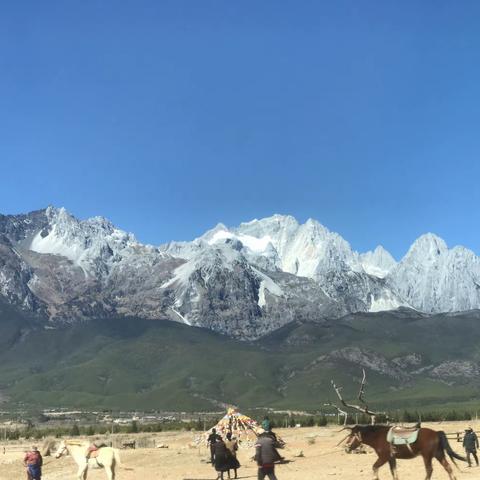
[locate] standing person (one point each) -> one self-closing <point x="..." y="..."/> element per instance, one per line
<point x="266" y="455"/>
<point x="212" y="439"/>
<point x="470" y="444"/>
<point x="267" y="426"/>
<point x="33" y="461"/>
<point x="232" y="446"/>
<point x="222" y="458"/>
<point x="272" y="434"/>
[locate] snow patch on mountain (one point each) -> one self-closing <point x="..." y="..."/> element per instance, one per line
<point x="266" y="283"/>
<point x="182" y="318"/>
<point x="53" y="243"/>
<point x="206" y="262"/>
<point x="387" y="301"/>
<point x="257" y="245"/>
<point x="307" y="250"/>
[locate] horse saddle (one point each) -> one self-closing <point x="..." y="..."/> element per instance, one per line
<point x="402" y="435"/>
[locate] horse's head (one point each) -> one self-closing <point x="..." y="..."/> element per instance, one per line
<point x="353" y="440"/>
<point x="62" y="448"/>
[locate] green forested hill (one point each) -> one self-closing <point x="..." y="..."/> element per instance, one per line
<point x="412" y="361"/>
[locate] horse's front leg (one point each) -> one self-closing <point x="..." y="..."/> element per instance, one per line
<point x="110" y="473"/>
<point x="82" y="472"/>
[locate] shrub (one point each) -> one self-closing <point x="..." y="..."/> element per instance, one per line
<point x="322" y="421"/>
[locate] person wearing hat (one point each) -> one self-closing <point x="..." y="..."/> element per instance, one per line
<point x="470" y="444"/>
<point x="266" y="455"/>
<point x="266" y="425"/>
<point x="33" y="461"/>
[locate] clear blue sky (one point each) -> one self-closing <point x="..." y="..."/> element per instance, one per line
<point x="168" y="117"/>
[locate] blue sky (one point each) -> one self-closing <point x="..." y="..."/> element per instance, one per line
<point x="168" y="117"/>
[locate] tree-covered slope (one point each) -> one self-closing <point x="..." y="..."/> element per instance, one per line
<point x="411" y="360"/>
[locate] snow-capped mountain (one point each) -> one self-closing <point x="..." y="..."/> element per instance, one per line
<point x="93" y="244"/>
<point x="244" y="281"/>
<point x="280" y="243"/>
<point x="433" y="278"/>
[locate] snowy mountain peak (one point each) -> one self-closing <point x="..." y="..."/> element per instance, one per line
<point x="209" y="234"/>
<point x="205" y="261"/>
<point x="433" y="278"/>
<point x="269" y="226"/>
<point x="427" y="247"/>
<point x="61" y="214"/>
<point x="87" y="243"/>
<point x="319" y="230"/>
<point x="378" y="263"/>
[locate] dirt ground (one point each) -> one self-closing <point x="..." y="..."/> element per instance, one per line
<point x="181" y="460"/>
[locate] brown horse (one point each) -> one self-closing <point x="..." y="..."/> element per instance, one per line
<point x="429" y="444"/>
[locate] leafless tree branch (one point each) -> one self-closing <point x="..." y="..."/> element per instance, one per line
<point x="339" y="411"/>
<point x="361" y="397"/>
<point x="361" y="392"/>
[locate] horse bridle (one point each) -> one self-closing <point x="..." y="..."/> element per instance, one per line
<point x="356" y="436"/>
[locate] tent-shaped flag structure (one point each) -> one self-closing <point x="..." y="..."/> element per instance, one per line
<point x="242" y="427"/>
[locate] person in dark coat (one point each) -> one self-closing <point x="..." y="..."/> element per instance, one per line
<point x="470" y="444"/>
<point x="223" y="459"/>
<point x="212" y="439"/>
<point x="266" y="455"/>
<point x="272" y="434"/>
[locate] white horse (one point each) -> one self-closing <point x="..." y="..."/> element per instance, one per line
<point x="108" y="458"/>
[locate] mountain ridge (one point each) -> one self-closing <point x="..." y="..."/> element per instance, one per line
<point x="244" y="281"/>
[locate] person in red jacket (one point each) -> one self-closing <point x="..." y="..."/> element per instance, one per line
<point x="33" y="461"/>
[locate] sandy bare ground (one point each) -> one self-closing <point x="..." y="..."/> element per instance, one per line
<point x="321" y="460"/>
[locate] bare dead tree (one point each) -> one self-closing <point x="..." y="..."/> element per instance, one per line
<point x="339" y="411"/>
<point x="361" y="398"/>
<point x="361" y="391"/>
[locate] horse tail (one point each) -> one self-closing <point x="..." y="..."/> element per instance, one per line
<point x="445" y="446"/>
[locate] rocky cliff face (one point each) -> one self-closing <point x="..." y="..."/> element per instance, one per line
<point x="245" y="281"/>
<point x="433" y="278"/>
